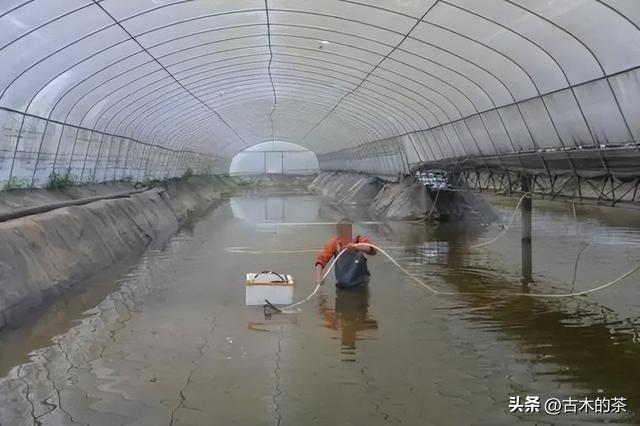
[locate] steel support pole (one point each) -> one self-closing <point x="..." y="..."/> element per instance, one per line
<point x="526" y="210"/>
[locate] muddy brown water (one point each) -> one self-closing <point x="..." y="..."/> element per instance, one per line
<point x="166" y="338"/>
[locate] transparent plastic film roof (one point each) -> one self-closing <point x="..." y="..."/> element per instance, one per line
<point x="113" y="89"/>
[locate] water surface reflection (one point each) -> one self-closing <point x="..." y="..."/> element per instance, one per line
<point x="350" y="318"/>
<point x="173" y="340"/>
<point x="268" y="208"/>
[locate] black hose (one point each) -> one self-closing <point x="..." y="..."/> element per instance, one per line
<point x="29" y="211"/>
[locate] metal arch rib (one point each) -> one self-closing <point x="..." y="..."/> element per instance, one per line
<point x="167" y="71"/>
<point x="372" y="70"/>
<point x="273" y="87"/>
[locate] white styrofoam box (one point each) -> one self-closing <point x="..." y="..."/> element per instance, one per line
<point x="274" y="287"/>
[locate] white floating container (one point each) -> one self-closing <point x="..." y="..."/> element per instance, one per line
<point x="272" y="286"/>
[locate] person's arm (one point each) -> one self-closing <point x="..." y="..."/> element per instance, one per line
<point x="323" y="258"/>
<point x="362" y="248"/>
<point x="319" y="271"/>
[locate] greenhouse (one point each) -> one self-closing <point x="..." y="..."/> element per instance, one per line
<point x="107" y="90"/>
<point x="319" y="212"/>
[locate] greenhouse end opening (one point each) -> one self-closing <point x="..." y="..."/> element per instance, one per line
<point x="275" y="157"/>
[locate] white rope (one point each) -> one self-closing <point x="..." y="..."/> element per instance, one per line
<point x="582" y="293"/>
<point x="288" y="309"/>
<point x="435" y="202"/>
<point x="274" y="224"/>
<point x="352" y="190"/>
<point x="506" y="228"/>
<point x="247" y="250"/>
<point x="429" y="216"/>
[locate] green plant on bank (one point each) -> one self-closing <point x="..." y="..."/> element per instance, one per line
<point x="188" y="173"/>
<point x="148" y="182"/>
<point x="15" y="183"/>
<point x="91" y="178"/>
<point x="60" y="180"/>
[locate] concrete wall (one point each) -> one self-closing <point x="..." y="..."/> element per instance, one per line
<point x="276" y="180"/>
<point x="347" y="188"/>
<point x="406" y="200"/>
<point x="41" y="254"/>
<point x="11" y="201"/>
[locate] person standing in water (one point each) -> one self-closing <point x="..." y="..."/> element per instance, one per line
<point x="351" y="267"/>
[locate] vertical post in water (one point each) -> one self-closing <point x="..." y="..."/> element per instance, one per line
<point x="265" y="162"/>
<point x="526" y="209"/>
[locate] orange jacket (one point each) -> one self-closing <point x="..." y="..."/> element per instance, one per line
<point x="334" y="246"/>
